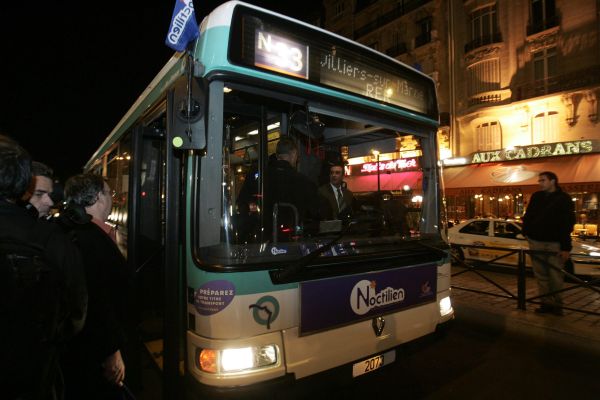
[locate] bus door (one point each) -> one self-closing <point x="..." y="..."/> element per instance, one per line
<point x="148" y="242"/>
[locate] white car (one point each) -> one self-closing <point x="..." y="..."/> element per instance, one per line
<point x="507" y="234"/>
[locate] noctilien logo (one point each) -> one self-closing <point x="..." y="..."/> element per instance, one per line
<point x="365" y="297"/>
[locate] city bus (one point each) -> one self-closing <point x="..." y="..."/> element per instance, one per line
<point x="244" y="291"/>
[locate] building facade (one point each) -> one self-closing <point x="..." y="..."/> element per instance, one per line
<point x="527" y="76"/>
<point x="518" y="83"/>
<point x="414" y="32"/>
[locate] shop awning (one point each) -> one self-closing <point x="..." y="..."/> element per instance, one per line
<point x="575" y="174"/>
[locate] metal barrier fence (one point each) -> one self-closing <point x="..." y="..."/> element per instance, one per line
<point x="521" y="296"/>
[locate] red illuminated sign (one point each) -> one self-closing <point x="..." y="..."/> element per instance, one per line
<point x="401" y="164"/>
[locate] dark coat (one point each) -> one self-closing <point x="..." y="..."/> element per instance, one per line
<point x="329" y="205"/>
<point x="286" y="185"/>
<point x="108" y="284"/>
<point x="27" y="362"/>
<point x="550" y="218"/>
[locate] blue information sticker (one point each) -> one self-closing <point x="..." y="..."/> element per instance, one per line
<point x="213" y="296"/>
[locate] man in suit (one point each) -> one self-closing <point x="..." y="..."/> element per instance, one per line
<point x="335" y="197"/>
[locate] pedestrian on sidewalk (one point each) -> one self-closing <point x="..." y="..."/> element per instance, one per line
<point x="93" y="363"/>
<point x="547" y="224"/>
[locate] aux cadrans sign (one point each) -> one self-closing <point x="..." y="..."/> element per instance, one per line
<point x="536" y="151"/>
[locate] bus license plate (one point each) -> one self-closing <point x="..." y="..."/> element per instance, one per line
<point x="373" y="363"/>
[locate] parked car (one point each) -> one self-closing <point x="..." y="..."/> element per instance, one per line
<point x="484" y="233"/>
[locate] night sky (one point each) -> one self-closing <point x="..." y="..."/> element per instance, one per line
<point x="68" y="73"/>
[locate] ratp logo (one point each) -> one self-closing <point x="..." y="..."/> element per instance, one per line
<point x="364" y="296"/>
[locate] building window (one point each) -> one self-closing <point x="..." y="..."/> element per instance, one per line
<point x="543" y="16"/>
<point x="544" y="68"/>
<point x="484" y="28"/>
<point x="424" y="36"/>
<point x="398" y="48"/>
<point x="483" y="77"/>
<point x="374" y="45"/>
<point x="338" y="9"/>
<point x="489" y="136"/>
<point x="545" y="127"/>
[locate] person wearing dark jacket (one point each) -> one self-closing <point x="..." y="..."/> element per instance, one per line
<point x="547" y="224"/>
<point x="290" y="190"/>
<point x="43" y="294"/>
<point x="93" y="363"/>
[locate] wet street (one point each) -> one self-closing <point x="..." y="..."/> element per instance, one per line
<point x="468" y="362"/>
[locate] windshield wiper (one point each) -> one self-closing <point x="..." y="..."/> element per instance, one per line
<point x="299" y="264"/>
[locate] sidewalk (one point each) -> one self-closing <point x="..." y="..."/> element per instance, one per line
<point x="575" y="329"/>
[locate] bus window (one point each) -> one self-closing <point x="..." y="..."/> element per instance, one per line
<point x="382" y="170"/>
<point x="117" y="175"/>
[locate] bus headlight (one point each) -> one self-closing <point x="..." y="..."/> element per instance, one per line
<point x="445" y="306"/>
<point x="237" y="360"/>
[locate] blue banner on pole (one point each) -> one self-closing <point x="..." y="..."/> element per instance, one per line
<point x="183" y="28"/>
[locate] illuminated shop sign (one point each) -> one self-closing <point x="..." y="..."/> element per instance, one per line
<point x="279" y="54"/>
<point x="398" y="165"/>
<point x="536" y="151"/>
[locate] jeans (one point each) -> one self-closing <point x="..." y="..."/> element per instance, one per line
<point x="548" y="279"/>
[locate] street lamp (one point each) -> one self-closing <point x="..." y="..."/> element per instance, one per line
<point x="376" y="154"/>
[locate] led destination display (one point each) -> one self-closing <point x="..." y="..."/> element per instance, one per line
<point x="265" y="42"/>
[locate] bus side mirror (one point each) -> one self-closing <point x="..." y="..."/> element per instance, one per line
<point x="188" y="111"/>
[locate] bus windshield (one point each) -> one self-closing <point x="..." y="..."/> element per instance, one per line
<point x="355" y="179"/>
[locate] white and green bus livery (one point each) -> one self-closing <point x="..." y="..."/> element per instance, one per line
<point x="252" y="290"/>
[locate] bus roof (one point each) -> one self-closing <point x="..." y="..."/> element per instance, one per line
<point x="209" y="49"/>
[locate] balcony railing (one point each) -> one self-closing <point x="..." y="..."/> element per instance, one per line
<point x="401" y="8"/>
<point x="485" y="99"/>
<point x="483" y="41"/>
<point x="396" y="50"/>
<point x="540" y="26"/>
<point x="571" y="81"/>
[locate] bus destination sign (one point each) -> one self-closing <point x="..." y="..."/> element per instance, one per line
<point x="279" y="54"/>
<point x="356" y="77"/>
<point x="295" y="50"/>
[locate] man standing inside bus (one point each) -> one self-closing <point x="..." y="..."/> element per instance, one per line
<point x="548" y="223"/>
<point x="286" y="186"/>
<point x="335" y="197"/>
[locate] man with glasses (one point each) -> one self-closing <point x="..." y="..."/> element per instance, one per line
<point x="93" y="363"/>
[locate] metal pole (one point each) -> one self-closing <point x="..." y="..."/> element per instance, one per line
<point x="521" y="294"/>
<point x="378" y="185"/>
